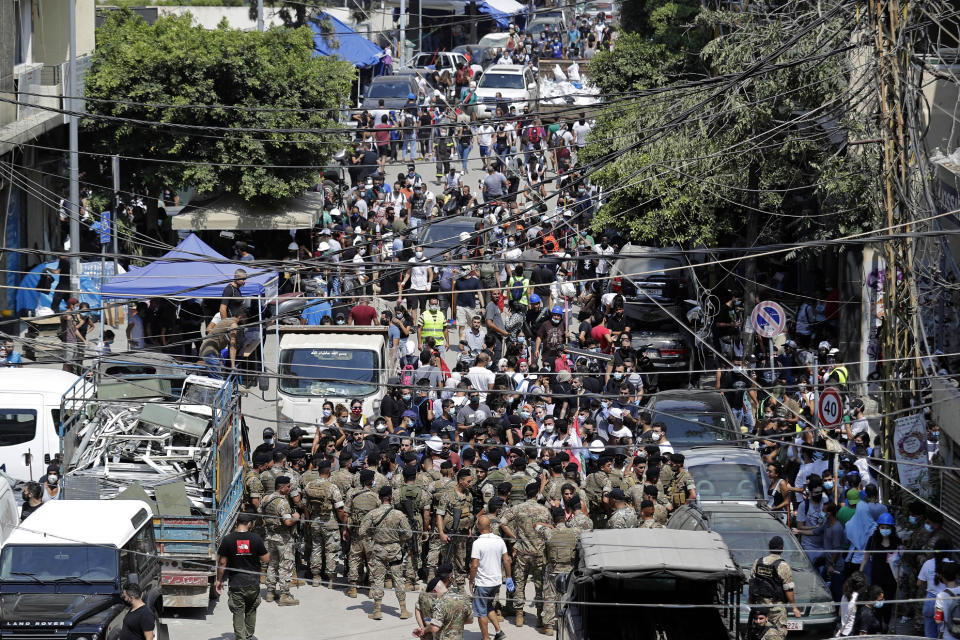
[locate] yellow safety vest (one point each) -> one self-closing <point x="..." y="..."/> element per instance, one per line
<point x="433" y="325"/>
<point x="842" y="374"/>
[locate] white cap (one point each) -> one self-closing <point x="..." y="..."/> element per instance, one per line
<point x="436" y="92"/>
<point x="464" y="237"/>
<point x="357" y="230"/>
<point x="335" y="213"/>
<point x="435" y="443"/>
<point x="293" y="246"/>
<point x="616" y="413"/>
<point x="324" y="246"/>
<point x="596" y="446"/>
<point x="833" y="351"/>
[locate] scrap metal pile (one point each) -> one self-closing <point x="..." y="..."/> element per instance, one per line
<point x="151" y="444"/>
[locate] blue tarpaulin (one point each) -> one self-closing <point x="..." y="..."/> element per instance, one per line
<point x="192" y="270"/>
<point x="352" y="46"/>
<point x="500" y="10"/>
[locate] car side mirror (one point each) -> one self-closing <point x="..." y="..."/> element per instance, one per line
<point x="264" y="383"/>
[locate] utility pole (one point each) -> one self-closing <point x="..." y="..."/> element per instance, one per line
<point x="74" y="202"/>
<point x="401" y="45"/>
<point x="260" y="16"/>
<point x="115" y="167"/>
<point x="901" y="364"/>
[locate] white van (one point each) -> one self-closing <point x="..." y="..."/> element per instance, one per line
<point x="30" y="419"/>
<point x="9" y="514"/>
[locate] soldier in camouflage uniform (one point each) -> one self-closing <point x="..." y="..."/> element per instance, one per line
<point x="647" y="518"/>
<point x="436" y="490"/>
<point x="428" y="474"/>
<point x="419" y="506"/>
<point x="252" y="485"/>
<point x="551" y="490"/>
<point x="450" y="613"/>
<point x="682" y="488"/>
<point x="379" y="480"/>
<point x="529" y="549"/>
<point x="597" y="487"/>
<point x="623" y="516"/>
<point x="451" y="501"/>
<point x="561" y="544"/>
<point x="327" y="514"/>
<point x="268" y="476"/>
<point x="428" y="598"/>
<point x="279" y="518"/>
<point x="360" y="501"/>
<point x="518" y="479"/>
<point x="654" y="488"/>
<point x="495" y="475"/>
<point x="343" y="477"/>
<point x="389" y="532"/>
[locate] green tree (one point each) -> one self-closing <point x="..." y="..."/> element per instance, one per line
<point x="291" y="101"/>
<point x="635" y="63"/>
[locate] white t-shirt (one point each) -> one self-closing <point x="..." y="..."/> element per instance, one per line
<point x="136" y="333"/>
<point x="485" y="135"/>
<point x="488" y="549"/>
<point x="482" y="379"/>
<point x="419" y="275"/>
<point x="928" y="572"/>
<point x="581" y="131"/>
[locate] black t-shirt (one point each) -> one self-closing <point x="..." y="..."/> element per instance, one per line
<point x="390" y="408"/>
<point x="541" y="279"/>
<point x="616" y="323"/>
<point x="27" y="510"/>
<point x="734" y="383"/>
<point x="138" y="622"/>
<point x="242" y="550"/>
<point x="231" y="298"/>
<point x="467" y="291"/>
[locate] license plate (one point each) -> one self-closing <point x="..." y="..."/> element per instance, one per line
<point x="653" y="292"/>
<point x="794" y="625"/>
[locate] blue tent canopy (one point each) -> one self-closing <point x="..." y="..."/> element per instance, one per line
<point x="352" y="46"/>
<point x="192" y="270"/>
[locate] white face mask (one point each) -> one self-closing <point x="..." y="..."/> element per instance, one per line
<point x="419" y="254"/>
<point x="52" y="478"/>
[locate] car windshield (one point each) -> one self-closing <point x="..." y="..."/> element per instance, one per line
<point x="651" y="268"/>
<point x="427" y="59"/>
<point x="727" y="481"/>
<point x="743" y="533"/>
<point x="494" y="80"/>
<point x="31" y="563"/>
<point x="323" y="372"/>
<point x="689" y="428"/>
<point x="199" y="394"/>
<point x="397" y="89"/>
<point x="446" y="235"/>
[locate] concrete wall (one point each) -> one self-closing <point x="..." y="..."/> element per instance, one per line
<point x="942" y="93"/>
<point x="8" y="112"/>
<point x="51" y="29"/>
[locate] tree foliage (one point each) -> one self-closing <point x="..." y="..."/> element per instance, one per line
<point x="762" y="157"/>
<point x="174" y="63"/>
<point x="636" y="63"/>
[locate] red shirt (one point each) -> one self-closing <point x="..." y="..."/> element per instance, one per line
<point x="382" y="133"/>
<point x="363" y="315"/>
<point x="600" y="334"/>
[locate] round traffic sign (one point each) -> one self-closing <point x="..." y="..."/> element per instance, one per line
<point x="768" y="319"/>
<point x="829" y="407"/>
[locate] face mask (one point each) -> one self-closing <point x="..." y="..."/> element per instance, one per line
<point x="342" y="419"/>
<point x="52" y="479"/>
<point x="913" y="519"/>
<point x="928" y="527"/>
<point x="768" y="416"/>
<point x="604" y="404"/>
<point x="521" y="339"/>
<point x="885" y="532"/>
<point x="419" y="254"/>
<point x="407" y="396"/>
<point x="511" y="243"/>
<point x="548" y="428"/>
<point x="828" y="485"/>
<point x="327" y="413"/>
<point x="434" y="308"/>
<point x="878" y="605"/>
<point x="934" y="437"/>
<point x="474" y="400"/>
<point x="525" y="415"/>
<point x="617" y="375"/>
<point x="656" y="435"/>
<point x="268" y="441"/>
<point x="528" y="440"/>
<point x="555" y="320"/>
<point x="340" y="321"/>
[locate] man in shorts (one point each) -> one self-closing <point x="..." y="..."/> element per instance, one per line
<point x="489" y="561"/>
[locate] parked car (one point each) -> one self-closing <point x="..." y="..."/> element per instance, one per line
<point x="439" y="60"/>
<point x="669" y="355"/>
<point x="515" y="83"/>
<point x="496" y="40"/>
<point x="654" y="283"/>
<point x="746" y="529"/>
<point x="695" y="417"/>
<point x="727" y="474"/>
<point x="444" y="234"/>
<point x="606" y="8"/>
<point x="473" y="51"/>
<point x="553" y="24"/>
<point x="393" y="90"/>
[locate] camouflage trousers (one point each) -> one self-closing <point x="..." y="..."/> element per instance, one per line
<point x="777" y="618"/>
<point x="359" y="555"/>
<point x="528" y="567"/>
<point x="382" y="564"/>
<point x="434" y="549"/>
<point x="280" y="567"/>
<point x="550" y="592"/>
<point x="458" y="556"/>
<point x="326" y="546"/>
<point x="411" y="564"/>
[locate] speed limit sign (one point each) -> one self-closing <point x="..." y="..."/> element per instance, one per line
<point x="830" y="407"/>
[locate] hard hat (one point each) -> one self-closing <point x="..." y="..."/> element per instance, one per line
<point x="824" y="345"/>
<point x="335" y="213"/>
<point x="557" y="309"/>
<point x="435" y="443"/>
<point x="596" y="446"/>
<point x="885" y="518"/>
<point x="534" y="299"/>
<point x="293" y="246"/>
<point x="833" y="351"/>
<point x="410" y="96"/>
<point x="464" y="237"/>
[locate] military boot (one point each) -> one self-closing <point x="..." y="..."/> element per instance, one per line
<point x="519" y="618"/>
<point x="315" y="579"/>
<point x="404" y="614"/>
<point x="287" y="600"/>
<point x="352" y="591"/>
<point x="376" y="614"/>
<point x="388" y="583"/>
<point x="409" y="586"/>
<point x="547" y="631"/>
<point x="330" y="583"/>
<point x="270" y="596"/>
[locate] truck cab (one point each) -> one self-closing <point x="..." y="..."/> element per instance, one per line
<point x="335" y="363"/>
<point x="62" y="573"/>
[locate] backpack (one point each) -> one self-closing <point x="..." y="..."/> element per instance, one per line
<point x="765" y="583"/>
<point x="406" y="375"/>
<point x="518" y="489"/>
<point x="953" y="620"/>
<point x="517" y="289"/>
<point x="533" y="135"/>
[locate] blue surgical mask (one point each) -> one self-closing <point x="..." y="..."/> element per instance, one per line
<point x="828" y="485"/>
<point x="878" y="604"/>
<point x="525" y="415"/>
<point x="928" y="527"/>
<point x="912" y="519"/>
<point x="884" y="531"/>
<point x="604" y="404"/>
<point x="327" y="413"/>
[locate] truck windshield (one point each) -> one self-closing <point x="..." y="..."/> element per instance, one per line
<point x="199" y="394"/>
<point x="494" y="80"/>
<point x="727" y="481"/>
<point x="325" y="372"/>
<point x="46" y="563"/>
